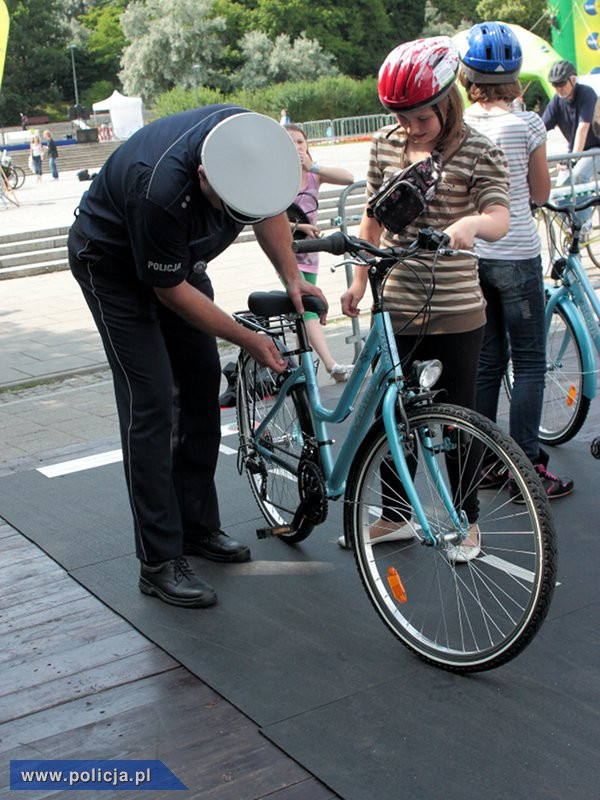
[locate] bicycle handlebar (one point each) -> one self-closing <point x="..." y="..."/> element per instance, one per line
<point x="571" y="208"/>
<point x="339" y="243"/>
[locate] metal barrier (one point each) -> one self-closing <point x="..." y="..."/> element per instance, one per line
<point x="570" y="190"/>
<point x="342" y="221"/>
<point x="345" y="127"/>
<point x="349" y="127"/>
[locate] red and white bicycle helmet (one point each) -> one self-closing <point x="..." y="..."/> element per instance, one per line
<point x="418" y="74"/>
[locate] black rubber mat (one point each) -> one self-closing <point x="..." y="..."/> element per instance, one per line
<point x="294" y="643"/>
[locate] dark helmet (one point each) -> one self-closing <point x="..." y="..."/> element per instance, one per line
<point x="492" y="54"/>
<point x="560" y="71"/>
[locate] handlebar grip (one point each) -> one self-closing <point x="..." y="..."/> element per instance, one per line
<point x="336" y="244"/>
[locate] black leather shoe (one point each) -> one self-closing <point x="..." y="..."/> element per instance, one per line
<point x="217" y="546"/>
<point x="175" y="582"/>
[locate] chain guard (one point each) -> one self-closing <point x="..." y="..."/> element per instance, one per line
<point x="312" y="491"/>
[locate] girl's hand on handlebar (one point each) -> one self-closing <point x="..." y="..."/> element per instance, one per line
<point x="262" y="349"/>
<point x="462" y="233"/>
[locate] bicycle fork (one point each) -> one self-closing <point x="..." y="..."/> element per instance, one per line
<point x="397" y="435"/>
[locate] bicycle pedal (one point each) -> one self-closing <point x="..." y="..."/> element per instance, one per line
<point x="264" y="533"/>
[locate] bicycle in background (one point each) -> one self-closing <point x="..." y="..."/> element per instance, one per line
<point x="572" y="327"/>
<point x="14" y="176"/>
<point x="461" y="615"/>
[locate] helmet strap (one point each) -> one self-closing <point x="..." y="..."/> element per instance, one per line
<point x="438" y="114"/>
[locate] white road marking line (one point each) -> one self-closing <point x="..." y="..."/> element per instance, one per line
<point x="80" y="464"/>
<point x="99" y="460"/>
<point x="506" y="566"/>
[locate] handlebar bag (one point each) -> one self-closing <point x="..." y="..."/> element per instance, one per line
<point x="406" y="194"/>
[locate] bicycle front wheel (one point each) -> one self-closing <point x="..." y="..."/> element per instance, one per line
<point x="565" y="406"/>
<point x="592" y="237"/>
<point x="271" y="460"/>
<point x="461" y="616"/>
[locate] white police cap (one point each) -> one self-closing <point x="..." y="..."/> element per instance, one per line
<point x="252" y="164"/>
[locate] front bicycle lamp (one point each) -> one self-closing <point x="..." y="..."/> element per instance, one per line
<point x="427" y="373"/>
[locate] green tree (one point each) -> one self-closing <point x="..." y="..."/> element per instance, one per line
<point x="358" y="33"/>
<point x="37" y="67"/>
<point x="167" y="37"/>
<point x="267" y="61"/>
<point x="105" y="41"/>
<point x="529" y="14"/>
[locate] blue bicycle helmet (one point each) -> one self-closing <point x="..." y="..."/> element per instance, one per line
<point x="493" y="54"/>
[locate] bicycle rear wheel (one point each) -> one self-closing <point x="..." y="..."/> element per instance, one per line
<point x="463" y="617"/>
<point x="272" y="461"/>
<point x="565" y="407"/>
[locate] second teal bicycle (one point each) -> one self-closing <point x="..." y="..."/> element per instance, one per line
<point x="406" y="455"/>
<point x="572" y="327"/>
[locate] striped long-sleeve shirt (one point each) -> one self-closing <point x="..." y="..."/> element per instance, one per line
<point x="518" y="134"/>
<point x="473" y="178"/>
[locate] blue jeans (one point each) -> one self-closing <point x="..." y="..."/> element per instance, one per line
<point x="53" y="170"/>
<point x="514" y="291"/>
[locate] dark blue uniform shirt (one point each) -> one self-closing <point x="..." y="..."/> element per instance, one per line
<point x="145" y="207"/>
<point x="568" y="114"/>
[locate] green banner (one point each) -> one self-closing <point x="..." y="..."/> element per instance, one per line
<point x="576" y="32"/>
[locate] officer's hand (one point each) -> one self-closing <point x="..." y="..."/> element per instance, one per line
<point x="262" y="348"/>
<point x="302" y="287"/>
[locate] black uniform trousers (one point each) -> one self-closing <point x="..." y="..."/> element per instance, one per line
<point x="166" y="378"/>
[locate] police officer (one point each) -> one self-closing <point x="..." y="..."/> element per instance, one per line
<point x="167" y="202"/>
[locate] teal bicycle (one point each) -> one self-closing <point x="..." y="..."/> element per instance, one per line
<point x="572" y="327"/>
<point x="403" y="451"/>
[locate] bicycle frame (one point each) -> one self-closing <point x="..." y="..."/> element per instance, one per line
<point x="382" y="389"/>
<point x="578" y="300"/>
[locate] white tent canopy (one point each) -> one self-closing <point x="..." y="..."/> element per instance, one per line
<point x="125" y="113"/>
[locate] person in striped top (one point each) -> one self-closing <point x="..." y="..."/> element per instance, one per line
<point x="441" y="316"/>
<point x="510" y="269"/>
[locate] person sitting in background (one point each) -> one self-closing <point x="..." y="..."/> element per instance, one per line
<point x="572" y="111"/>
<point x="510" y="269"/>
<point x="313" y="175"/>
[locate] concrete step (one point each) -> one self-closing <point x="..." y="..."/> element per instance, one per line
<point x="39" y="268"/>
<point x="30" y="236"/>
<point x="33" y="257"/>
<point x="31" y="245"/>
<point x="90" y="156"/>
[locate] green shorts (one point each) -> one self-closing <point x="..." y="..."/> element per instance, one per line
<point x="311" y="277"/>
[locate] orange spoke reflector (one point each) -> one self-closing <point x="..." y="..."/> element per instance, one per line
<point x="396" y="586"/>
<point x="572" y="396"/>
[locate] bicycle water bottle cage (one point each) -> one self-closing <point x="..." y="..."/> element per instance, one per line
<point x="405" y="195"/>
<point x="558" y="268"/>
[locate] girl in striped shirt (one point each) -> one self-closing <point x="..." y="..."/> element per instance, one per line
<point x="444" y="319"/>
<point x="510" y="269"/>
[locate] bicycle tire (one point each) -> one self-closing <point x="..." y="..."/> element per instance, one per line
<point x="274" y="484"/>
<point x="20" y="174"/>
<point x="592" y="244"/>
<point x="558" y="235"/>
<point x="465" y="617"/>
<point x="565" y="407"/>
